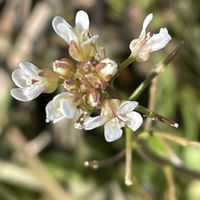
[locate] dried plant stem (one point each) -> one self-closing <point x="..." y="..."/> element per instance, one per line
<point x="128" y="153"/>
<point x="36" y="145"/>
<point x="32" y="29"/>
<point x="152" y="102"/>
<point x="171" y="189"/>
<point x="17" y="175"/>
<point x="170" y="153"/>
<point x="8" y="18"/>
<point x="95" y="164"/>
<point x="50" y="186"/>
<point x="148" y="154"/>
<point x="177" y="139"/>
<point x="7" y="25"/>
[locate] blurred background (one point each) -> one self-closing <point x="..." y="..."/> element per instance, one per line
<point x="46" y="162"/>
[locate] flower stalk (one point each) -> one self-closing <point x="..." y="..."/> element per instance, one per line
<point x="140" y="89"/>
<point x="96" y="164"/>
<point x="155" y="116"/>
<point x="126" y="63"/>
<point x="123" y="66"/>
<point x="128" y="166"/>
<point x="158" y="70"/>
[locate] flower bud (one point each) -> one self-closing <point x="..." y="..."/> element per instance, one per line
<point x="106" y="68"/>
<point x="64" y="67"/>
<point x="94" y="98"/>
<point x="75" y="52"/>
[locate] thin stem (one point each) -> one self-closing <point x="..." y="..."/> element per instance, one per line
<point x="128" y="167"/>
<point x="18" y="176"/>
<point x="140" y="89"/>
<point x="148" y="154"/>
<point x="171" y="189"/>
<point x="126" y="63"/>
<point x="95" y="164"/>
<point x="146" y="111"/>
<point x="122" y="66"/>
<point x="159" y="69"/>
<point x="156" y="116"/>
<point x="36" y="145"/>
<point x="152" y="102"/>
<point x="177" y="139"/>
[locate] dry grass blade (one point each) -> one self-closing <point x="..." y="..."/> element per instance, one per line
<point x="50" y="185"/>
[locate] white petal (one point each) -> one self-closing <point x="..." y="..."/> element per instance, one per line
<point x="63" y="29"/>
<point x="67" y="107"/>
<point x="127" y="106"/>
<point x="132" y="45"/>
<point x="62" y="95"/>
<point x="159" y="40"/>
<point x="134" y="120"/>
<point x="53" y="113"/>
<point x="27" y="93"/>
<point x="53" y="109"/>
<point x="18" y="78"/>
<point x="29" y="69"/>
<point x="94" y="122"/>
<point x="145" y="24"/>
<point x="112" y="132"/>
<point x="18" y="94"/>
<point x="82" y="20"/>
<point x="90" y="40"/>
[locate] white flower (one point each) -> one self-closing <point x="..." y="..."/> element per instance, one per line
<point x="107" y="68"/>
<point x="31" y="82"/>
<point x="114" y="116"/>
<point x="79" y="34"/>
<point x="145" y="44"/>
<point x="60" y="107"/>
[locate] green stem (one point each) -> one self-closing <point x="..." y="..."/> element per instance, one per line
<point x="139" y="90"/>
<point x="128" y="168"/>
<point x="126" y="63"/>
<point x="146" y="111"/>
<point x="122" y="66"/>
<point x="159" y="69"/>
<point x="156" y="116"/>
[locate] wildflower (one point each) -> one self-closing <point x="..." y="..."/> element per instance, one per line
<point x="32" y="82"/>
<point x="145" y="44"/>
<point x="115" y="115"/>
<point x="62" y="106"/>
<point x="106" y="68"/>
<point x="81" y="43"/>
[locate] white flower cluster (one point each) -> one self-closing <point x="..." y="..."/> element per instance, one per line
<point x="85" y="82"/>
